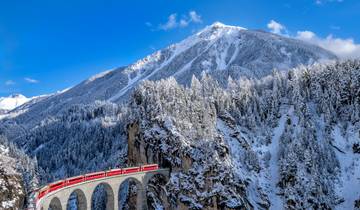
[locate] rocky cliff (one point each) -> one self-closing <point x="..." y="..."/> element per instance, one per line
<point x="12" y="190"/>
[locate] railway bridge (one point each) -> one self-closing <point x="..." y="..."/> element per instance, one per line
<point x="57" y="195"/>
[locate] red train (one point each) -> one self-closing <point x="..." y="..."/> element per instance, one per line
<point x="91" y="176"/>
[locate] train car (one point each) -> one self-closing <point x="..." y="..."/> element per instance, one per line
<point x="95" y="175"/>
<point x="114" y="172"/>
<point x="42" y="192"/>
<point x="74" y="180"/>
<point x="56" y="185"/>
<point x="131" y="170"/>
<point x="150" y="167"/>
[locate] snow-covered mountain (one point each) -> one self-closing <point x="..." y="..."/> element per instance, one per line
<point x="284" y="139"/>
<point x="218" y="49"/>
<point x="12" y="101"/>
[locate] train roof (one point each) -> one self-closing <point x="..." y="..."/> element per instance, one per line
<point x="57" y="182"/>
<point x="94" y="173"/>
<point x="74" y="177"/>
<point x="115" y="169"/>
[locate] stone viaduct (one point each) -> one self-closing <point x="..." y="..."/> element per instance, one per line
<point x="59" y="199"/>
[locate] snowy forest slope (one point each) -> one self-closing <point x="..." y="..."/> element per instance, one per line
<point x="289" y="140"/>
<point x="315" y="154"/>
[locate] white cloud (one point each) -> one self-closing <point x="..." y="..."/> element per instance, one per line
<point x="170" y="24"/>
<point x="183" y="23"/>
<point x="305" y="35"/>
<point x="194" y="17"/>
<point x="276" y="27"/>
<point x="173" y="22"/>
<point x="30" y="80"/>
<point x="344" y="48"/>
<point x="10" y="82"/>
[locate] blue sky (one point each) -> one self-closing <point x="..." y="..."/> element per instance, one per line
<point x="46" y="46"/>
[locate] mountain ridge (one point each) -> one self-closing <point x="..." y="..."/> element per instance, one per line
<point x="218" y="49"/>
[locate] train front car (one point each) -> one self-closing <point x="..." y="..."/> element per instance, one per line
<point x="42" y="192"/>
<point x="57" y="185"/>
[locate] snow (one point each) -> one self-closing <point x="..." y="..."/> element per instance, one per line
<point x="6" y="162"/>
<point x="138" y="65"/>
<point x="97" y="76"/>
<point x="13" y="101"/>
<point x="237" y="162"/>
<point x="4" y="150"/>
<point x="234" y="54"/>
<point x="12" y="114"/>
<point x="152" y="61"/>
<point x="349" y="183"/>
<point x="7" y="204"/>
<point x="276" y="201"/>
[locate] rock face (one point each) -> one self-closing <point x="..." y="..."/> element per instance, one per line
<point x="12" y="194"/>
<point x="18" y="177"/>
<point x="187" y="174"/>
<point x="199" y="158"/>
<point x="12" y="190"/>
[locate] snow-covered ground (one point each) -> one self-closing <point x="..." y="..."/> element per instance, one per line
<point x="348" y="186"/>
<point x="273" y="148"/>
<point x="237" y="159"/>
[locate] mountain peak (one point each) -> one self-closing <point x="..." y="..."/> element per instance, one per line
<point x="218" y="27"/>
<point x="17" y="95"/>
<point x="12" y="101"/>
<point x="218" y="24"/>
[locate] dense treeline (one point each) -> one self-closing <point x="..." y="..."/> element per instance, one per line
<point x="81" y="139"/>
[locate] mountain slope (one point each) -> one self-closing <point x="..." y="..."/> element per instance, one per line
<point x="218" y="49"/>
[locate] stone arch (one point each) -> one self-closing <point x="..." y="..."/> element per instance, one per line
<point x="127" y="188"/>
<point x="80" y="200"/>
<point x="156" y="191"/>
<point x="55" y="204"/>
<point x="104" y="187"/>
